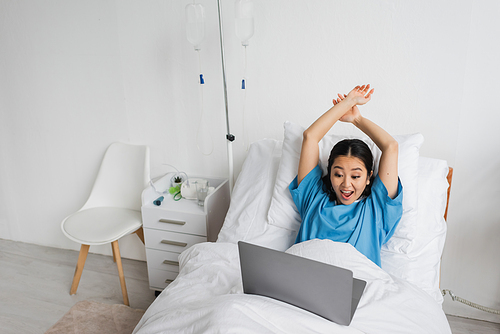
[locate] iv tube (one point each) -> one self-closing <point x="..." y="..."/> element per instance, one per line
<point x="243" y="12"/>
<point x="244" y="91"/>
<point x="202" y="83"/>
<point x="195" y="33"/>
<point x="195" y="24"/>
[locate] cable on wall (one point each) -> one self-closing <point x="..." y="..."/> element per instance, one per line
<point x="455" y="298"/>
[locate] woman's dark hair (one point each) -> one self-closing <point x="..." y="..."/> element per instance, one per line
<point x="354" y="148"/>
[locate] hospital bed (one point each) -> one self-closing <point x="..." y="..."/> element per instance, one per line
<point x="401" y="297"/>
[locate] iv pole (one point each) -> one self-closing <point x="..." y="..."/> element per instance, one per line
<point x="230" y="138"/>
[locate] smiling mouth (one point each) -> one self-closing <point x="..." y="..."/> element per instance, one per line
<point x="346" y="195"/>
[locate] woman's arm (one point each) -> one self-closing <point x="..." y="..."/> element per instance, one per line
<point x="388" y="166"/>
<point x="309" y="154"/>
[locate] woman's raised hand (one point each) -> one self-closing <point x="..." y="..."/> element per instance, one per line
<point x="360" y="94"/>
<point x="350" y="114"/>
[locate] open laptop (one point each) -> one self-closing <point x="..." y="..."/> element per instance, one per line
<point x="326" y="290"/>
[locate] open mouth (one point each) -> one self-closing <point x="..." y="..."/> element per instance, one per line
<point x="346" y="195"/>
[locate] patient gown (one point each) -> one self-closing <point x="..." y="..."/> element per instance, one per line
<point x="366" y="224"/>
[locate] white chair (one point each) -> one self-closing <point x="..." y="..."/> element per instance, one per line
<point x="113" y="208"/>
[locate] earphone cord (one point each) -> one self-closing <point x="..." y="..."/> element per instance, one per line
<point x="151" y="183"/>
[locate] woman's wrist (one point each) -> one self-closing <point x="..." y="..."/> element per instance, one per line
<point x="358" y="121"/>
<point x="349" y="102"/>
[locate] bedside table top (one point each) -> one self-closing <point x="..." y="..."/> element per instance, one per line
<point x="183" y="205"/>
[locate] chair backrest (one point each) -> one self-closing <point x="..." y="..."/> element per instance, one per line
<point x="123" y="175"/>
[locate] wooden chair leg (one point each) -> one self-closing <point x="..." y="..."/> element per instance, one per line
<point x="114" y="255"/>
<point x="116" y="250"/>
<point x="84" y="250"/>
<point x="140" y="234"/>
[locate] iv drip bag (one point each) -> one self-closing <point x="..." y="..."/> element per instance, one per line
<point x="195" y="24"/>
<point x="243" y="11"/>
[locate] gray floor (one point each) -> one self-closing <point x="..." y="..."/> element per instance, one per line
<point x="471" y="326"/>
<point x="35" y="282"/>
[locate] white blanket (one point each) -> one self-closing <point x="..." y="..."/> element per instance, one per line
<point x="207" y="297"/>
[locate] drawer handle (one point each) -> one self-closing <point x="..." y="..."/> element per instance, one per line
<point x="168" y="281"/>
<point x="174" y="243"/>
<point x="171" y="221"/>
<point x="173" y="263"/>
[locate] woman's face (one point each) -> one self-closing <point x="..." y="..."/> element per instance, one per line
<point x="349" y="178"/>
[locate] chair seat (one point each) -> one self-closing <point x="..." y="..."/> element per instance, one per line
<point x="98" y="226"/>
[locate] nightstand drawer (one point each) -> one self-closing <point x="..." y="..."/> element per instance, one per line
<point x="162" y="260"/>
<point x="159" y="279"/>
<point x="174" y="221"/>
<point x="170" y="241"/>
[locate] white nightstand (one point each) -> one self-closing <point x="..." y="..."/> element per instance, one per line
<point x="175" y="226"/>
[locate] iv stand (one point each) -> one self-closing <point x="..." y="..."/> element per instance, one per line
<point x="230" y="138"/>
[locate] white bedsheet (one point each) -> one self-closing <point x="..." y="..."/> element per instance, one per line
<point x="207" y="297"/>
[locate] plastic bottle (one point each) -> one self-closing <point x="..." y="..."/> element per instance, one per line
<point x="195" y="24"/>
<point x="243" y="10"/>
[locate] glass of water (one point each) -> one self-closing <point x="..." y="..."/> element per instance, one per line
<point x="201" y="191"/>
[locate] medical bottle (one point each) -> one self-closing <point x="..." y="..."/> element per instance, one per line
<point x="244" y="20"/>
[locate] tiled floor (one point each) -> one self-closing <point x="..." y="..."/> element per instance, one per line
<point x="35" y="282"/>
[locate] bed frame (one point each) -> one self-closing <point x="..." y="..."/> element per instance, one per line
<point x="449" y="178"/>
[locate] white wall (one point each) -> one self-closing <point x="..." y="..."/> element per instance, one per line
<point x="470" y="263"/>
<point x="77" y="75"/>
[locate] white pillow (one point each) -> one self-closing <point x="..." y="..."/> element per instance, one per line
<point x="252" y="192"/>
<point x="283" y="212"/>
<point x="246" y="218"/>
<point x="422" y="263"/>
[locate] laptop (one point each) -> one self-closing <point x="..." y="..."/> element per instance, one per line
<point x="326" y="290"/>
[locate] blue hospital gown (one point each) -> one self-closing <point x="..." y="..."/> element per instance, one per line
<point x="366" y="224"/>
